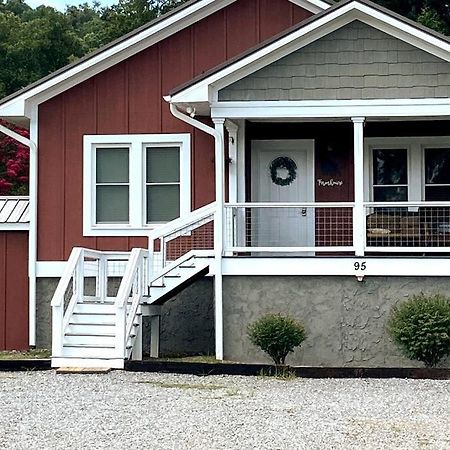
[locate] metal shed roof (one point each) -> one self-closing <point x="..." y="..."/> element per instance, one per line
<point x="14" y="212"/>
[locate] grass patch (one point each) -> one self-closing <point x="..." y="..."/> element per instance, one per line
<point x="38" y="353"/>
<point x="193" y="359"/>
<point x="167" y="385"/>
<point x="280" y="373"/>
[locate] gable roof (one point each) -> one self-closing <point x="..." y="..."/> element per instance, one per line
<point x="304" y="33"/>
<point x="175" y="20"/>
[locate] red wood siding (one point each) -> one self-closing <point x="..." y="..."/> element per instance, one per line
<point x="127" y="98"/>
<point x="13" y="290"/>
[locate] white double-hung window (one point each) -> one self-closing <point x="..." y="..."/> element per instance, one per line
<point x="133" y="183"/>
<point x="404" y="169"/>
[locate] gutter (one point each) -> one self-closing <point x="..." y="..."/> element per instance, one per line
<point x="32" y="237"/>
<point x="218" y="218"/>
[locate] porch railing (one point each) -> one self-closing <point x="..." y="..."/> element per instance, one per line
<point x="180" y="236"/>
<point x="407" y="227"/>
<point x="321" y="228"/>
<point x="289" y="227"/>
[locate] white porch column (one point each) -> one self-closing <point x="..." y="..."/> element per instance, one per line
<point x="231" y="219"/>
<point x="219" y="236"/>
<point x="359" y="216"/>
<point x="232" y="129"/>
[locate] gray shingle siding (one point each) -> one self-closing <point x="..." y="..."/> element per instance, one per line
<point x="355" y="62"/>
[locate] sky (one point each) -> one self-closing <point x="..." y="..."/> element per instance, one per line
<point x="61" y="4"/>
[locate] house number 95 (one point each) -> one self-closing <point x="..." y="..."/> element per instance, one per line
<point x="360" y="265"/>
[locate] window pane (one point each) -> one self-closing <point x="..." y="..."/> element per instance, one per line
<point x="437" y="193"/>
<point x="390" y="194"/>
<point x="390" y="166"/>
<point x="112" y="165"/>
<point x="437" y="165"/>
<point x="163" y="203"/>
<point x="163" y="164"/>
<point x="112" y="204"/>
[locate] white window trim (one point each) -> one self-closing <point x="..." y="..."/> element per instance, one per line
<point x="415" y="146"/>
<point x="137" y="143"/>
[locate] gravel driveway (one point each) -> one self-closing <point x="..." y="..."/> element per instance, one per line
<point x="119" y="410"/>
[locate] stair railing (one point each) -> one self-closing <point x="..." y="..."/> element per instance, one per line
<point x="180" y="236"/>
<point x="72" y="288"/>
<point x="133" y="286"/>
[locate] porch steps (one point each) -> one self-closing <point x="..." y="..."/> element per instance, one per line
<point x="89" y="339"/>
<point x="179" y="277"/>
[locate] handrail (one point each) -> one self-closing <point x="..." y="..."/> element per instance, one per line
<point x="291" y="205"/>
<point x="182" y="259"/>
<point x="137" y="254"/>
<point x="183" y="222"/>
<point x="133" y="280"/>
<point x="406" y="204"/>
<point x="58" y="296"/>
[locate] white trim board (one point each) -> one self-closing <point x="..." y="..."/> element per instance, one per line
<point x="206" y="90"/>
<point x="14" y="226"/>
<point x="338" y="266"/>
<point x="328" y="109"/>
<point x="315" y="6"/>
<point x="22" y="104"/>
<point x="248" y="266"/>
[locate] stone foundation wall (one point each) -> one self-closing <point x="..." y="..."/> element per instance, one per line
<point x="187" y="322"/>
<point x="345" y="319"/>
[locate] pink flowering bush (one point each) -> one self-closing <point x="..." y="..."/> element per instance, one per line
<point x="14" y="163"/>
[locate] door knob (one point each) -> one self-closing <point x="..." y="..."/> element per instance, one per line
<point x="304" y="212"/>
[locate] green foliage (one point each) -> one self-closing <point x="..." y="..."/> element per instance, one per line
<point x="431" y="19"/>
<point x="276" y="335"/>
<point x="37" y="42"/>
<point x="421" y="328"/>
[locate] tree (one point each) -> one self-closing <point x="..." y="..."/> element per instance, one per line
<point x="14" y="163"/>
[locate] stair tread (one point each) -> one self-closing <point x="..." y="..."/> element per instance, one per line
<point x="93" y="313"/>
<point x="96" y="346"/>
<point x="93" y="324"/>
<point x="90" y="334"/>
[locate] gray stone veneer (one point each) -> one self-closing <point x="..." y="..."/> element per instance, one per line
<point x="345" y="319"/>
<point x="187" y="323"/>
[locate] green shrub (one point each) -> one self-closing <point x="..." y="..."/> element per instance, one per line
<point x="276" y="335"/>
<point x="421" y="328"/>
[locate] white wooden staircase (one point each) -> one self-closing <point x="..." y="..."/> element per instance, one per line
<point x="94" y="328"/>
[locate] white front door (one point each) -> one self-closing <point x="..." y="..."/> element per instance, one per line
<point x="283" y="172"/>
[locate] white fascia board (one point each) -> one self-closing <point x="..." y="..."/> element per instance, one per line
<point x="432" y="107"/>
<point x="113" y="55"/>
<point x="14" y="108"/>
<point x="14" y="226"/>
<point x="305" y="36"/>
<point x="314" y="6"/>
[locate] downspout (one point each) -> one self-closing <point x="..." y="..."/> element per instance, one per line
<point x="218" y="219"/>
<point x="32" y="229"/>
